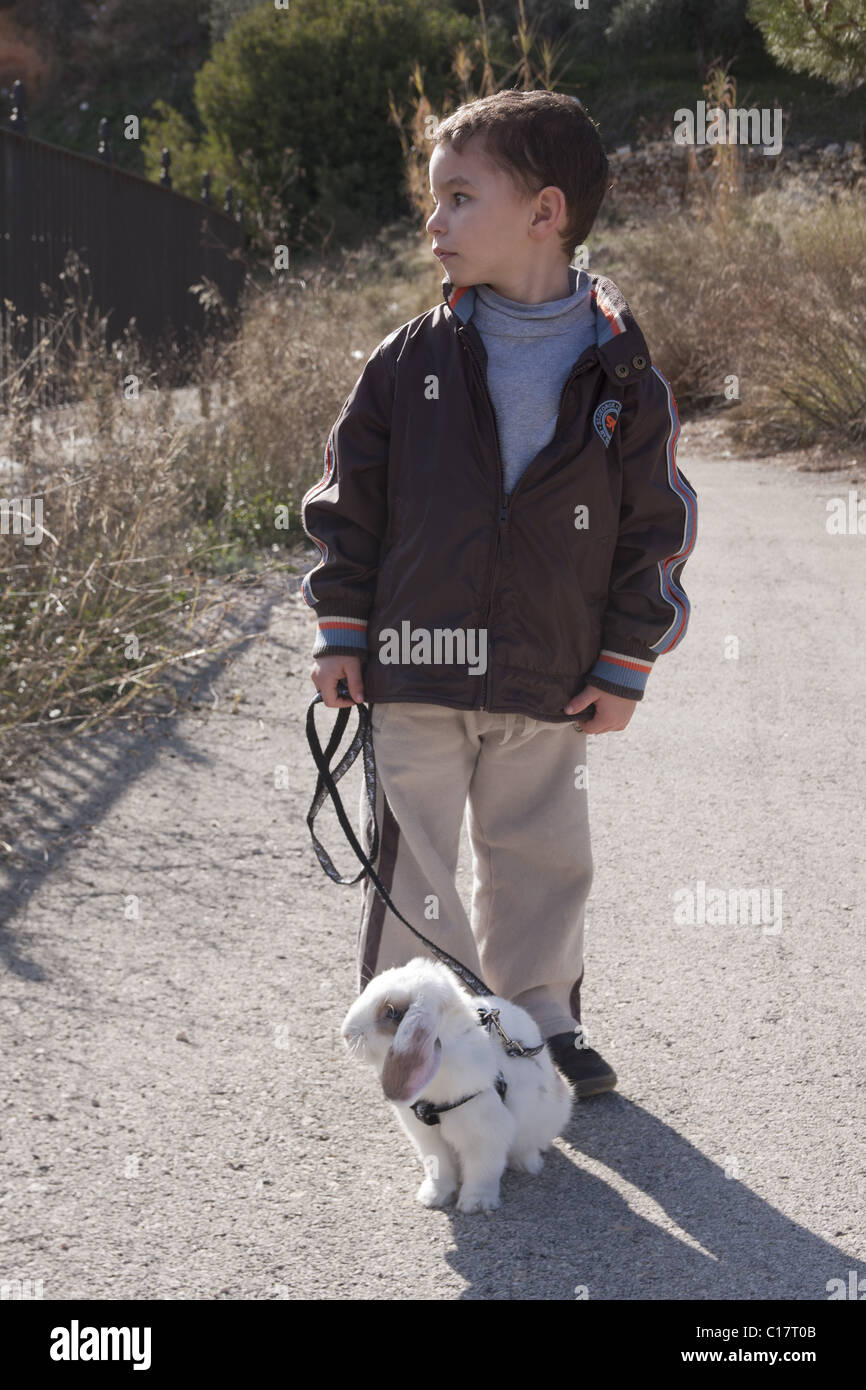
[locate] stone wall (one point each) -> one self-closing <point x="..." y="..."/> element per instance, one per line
<point x="655" y="174"/>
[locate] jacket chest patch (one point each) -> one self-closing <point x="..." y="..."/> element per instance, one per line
<point x="604" y="419"/>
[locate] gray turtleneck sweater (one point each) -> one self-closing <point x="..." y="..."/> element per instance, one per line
<point x="531" y="349"/>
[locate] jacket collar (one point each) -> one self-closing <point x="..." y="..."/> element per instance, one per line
<point x="618" y="337"/>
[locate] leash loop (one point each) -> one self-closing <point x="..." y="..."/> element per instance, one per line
<point x="325" y="786"/>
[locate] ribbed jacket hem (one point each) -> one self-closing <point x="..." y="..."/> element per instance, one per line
<point x="340" y="634"/>
<point x="620" y="673"/>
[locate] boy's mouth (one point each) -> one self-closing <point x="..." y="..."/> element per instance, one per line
<point x="443" y="255"/>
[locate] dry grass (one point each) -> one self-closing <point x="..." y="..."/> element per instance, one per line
<point x="96" y="609"/>
<point x="152" y="509"/>
<point x="753" y="305"/>
<point x="299" y="352"/>
<point x="773" y="296"/>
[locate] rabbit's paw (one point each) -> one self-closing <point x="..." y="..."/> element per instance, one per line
<point x="435" y="1194"/>
<point x="531" y="1162"/>
<point x="478" y="1199"/>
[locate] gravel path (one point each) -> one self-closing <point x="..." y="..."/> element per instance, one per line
<point x="179" y="1119"/>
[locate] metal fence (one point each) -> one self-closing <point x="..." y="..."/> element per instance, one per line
<point x="143" y="244"/>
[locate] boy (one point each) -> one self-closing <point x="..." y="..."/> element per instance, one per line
<point x="503" y="529"/>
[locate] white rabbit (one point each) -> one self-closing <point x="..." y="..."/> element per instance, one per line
<point x="419" y="1027"/>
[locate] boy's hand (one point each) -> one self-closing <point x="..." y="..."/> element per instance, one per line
<point x="328" y="670"/>
<point x="612" y="712"/>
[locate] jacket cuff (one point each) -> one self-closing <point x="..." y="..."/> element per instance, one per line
<point x="620" y="674"/>
<point x="340" y="634"/>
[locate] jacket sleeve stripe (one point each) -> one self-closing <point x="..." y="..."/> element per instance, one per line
<point x="633" y="663"/>
<point x="668" y="568"/>
<point x="306" y="588"/>
<point x="614" y="321"/>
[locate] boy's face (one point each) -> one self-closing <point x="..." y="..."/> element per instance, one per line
<point x="482" y="217"/>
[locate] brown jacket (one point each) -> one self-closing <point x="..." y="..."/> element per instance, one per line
<point x="455" y="594"/>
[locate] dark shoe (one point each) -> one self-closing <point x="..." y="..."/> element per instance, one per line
<point x="585" y="1068"/>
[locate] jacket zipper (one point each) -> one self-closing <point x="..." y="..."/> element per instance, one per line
<point x="503" y="500"/>
<point x="503" y="507"/>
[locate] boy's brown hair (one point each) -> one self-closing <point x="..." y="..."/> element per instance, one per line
<point x="538" y="138"/>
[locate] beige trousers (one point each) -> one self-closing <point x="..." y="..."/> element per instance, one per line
<point x="525" y="784"/>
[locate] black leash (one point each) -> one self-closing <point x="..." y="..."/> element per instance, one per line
<point x="326" y="786"/>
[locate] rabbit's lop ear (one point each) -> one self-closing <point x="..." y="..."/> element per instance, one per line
<point x="414" y="1056"/>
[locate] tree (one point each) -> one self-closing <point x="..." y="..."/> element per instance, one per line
<point x="222" y="14"/>
<point x="825" y="40"/>
<point x="110" y="59"/>
<point x="666" y="24"/>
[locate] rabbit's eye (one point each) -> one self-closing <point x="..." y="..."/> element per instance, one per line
<point x="392" y="1012"/>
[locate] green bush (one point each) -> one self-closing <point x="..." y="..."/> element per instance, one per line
<point x="296" y="108"/>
